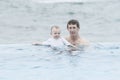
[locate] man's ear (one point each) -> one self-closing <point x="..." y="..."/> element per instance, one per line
<point x="78" y="29"/>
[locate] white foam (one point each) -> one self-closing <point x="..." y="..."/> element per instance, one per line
<point x="58" y="1"/>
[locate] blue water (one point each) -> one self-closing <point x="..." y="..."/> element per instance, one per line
<point x="99" y="61"/>
<point x="25" y="21"/>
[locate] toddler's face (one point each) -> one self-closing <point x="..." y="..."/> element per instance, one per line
<point x="55" y="33"/>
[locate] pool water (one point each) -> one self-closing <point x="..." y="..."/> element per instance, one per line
<point x="100" y="61"/>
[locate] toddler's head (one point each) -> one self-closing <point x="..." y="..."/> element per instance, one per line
<point x="55" y="32"/>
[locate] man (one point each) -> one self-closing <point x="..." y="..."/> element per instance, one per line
<point x="74" y="38"/>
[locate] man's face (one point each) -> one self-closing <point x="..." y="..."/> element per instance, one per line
<point x="55" y="33"/>
<point x="73" y="29"/>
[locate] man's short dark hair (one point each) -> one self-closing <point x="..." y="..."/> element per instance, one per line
<point x="73" y="22"/>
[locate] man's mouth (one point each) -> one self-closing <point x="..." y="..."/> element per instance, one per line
<point x="72" y="32"/>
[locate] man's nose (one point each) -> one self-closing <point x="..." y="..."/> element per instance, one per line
<point x="72" y="29"/>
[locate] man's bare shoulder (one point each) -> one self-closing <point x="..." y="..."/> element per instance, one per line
<point x="84" y="41"/>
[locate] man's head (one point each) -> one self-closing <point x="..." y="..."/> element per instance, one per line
<point x="73" y="27"/>
<point x="55" y="32"/>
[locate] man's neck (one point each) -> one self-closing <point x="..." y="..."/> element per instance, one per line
<point x="74" y="38"/>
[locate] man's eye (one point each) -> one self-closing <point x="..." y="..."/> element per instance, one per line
<point x="74" y="27"/>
